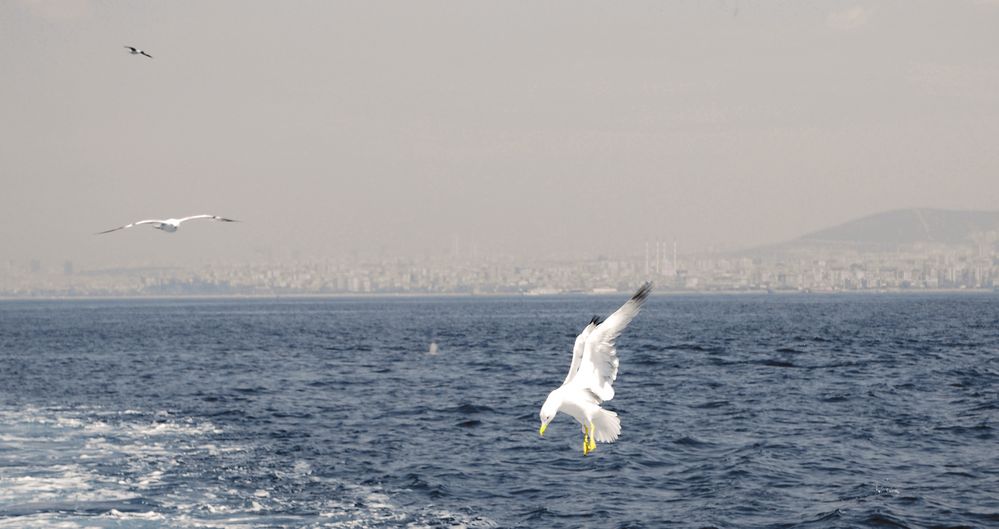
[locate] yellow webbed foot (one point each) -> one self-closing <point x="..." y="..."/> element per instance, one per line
<point x="591" y="443"/>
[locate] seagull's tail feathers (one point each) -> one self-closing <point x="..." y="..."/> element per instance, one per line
<point x="606" y="426"/>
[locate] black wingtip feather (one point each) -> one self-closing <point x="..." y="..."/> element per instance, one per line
<point x="643" y="292"/>
<point x="596" y="320"/>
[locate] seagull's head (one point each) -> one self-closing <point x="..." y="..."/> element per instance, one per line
<point x="548" y="411"/>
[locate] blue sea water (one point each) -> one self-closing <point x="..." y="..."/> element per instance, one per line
<point x="737" y="411"/>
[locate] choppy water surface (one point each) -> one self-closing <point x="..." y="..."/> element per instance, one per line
<point x="769" y="411"/>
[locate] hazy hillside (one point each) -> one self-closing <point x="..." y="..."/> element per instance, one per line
<point x="891" y="229"/>
<point x="906" y="226"/>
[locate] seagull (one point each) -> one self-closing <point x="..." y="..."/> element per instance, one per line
<point x="136" y="51"/>
<point x="593" y="370"/>
<point x="168" y="225"/>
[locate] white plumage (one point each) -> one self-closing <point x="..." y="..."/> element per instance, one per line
<point x="168" y="225"/>
<point x="591" y="376"/>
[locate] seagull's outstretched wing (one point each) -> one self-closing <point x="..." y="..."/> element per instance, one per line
<point x="577" y="349"/>
<point x="598" y="366"/>
<point x="213" y="217"/>
<point x="135" y="51"/>
<point x="151" y="221"/>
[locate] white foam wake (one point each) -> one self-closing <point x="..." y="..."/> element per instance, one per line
<point x="96" y="468"/>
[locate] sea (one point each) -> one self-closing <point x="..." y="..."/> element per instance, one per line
<point x="738" y="411"/>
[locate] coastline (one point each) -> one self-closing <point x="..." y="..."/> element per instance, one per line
<point x="497" y="295"/>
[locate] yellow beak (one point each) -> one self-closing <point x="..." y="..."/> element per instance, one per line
<point x="541" y="432"/>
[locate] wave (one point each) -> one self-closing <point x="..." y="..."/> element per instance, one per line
<point x="95" y="468"/>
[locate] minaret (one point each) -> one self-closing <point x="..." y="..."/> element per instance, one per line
<point x="676" y="265"/>
<point x="662" y="262"/>
<point x="646" y="259"/>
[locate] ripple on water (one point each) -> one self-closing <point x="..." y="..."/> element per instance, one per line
<point x="69" y="468"/>
<point x="743" y="411"/>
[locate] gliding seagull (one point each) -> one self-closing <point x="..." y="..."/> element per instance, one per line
<point x="136" y="51"/>
<point x="593" y="370"/>
<point x="168" y="225"/>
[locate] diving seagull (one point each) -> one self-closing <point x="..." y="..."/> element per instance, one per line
<point x="136" y="51"/>
<point x="168" y="225"/>
<point x="593" y="370"/>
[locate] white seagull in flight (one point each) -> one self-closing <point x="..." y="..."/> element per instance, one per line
<point x="168" y="225"/>
<point x="593" y="370"/>
<point x="136" y="51"/>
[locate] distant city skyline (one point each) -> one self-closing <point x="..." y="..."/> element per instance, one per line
<point x="339" y="130"/>
<point x="915" y="250"/>
<point x="913" y="269"/>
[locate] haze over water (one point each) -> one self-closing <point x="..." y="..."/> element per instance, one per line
<point x="528" y="148"/>
<point x="580" y="129"/>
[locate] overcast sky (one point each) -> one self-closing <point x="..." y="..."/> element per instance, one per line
<point x="337" y="128"/>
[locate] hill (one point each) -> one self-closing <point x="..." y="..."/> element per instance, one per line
<point x="908" y="226"/>
<point x="888" y="230"/>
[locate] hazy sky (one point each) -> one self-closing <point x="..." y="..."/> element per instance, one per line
<point x="576" y="127"/>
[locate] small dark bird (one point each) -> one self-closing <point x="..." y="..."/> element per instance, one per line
<point x="137" y="51"/>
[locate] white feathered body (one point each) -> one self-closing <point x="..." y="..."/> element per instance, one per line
<point x="168" y="225"/>
<point x="593" y="372"/>
<point x="578" y="405"/>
